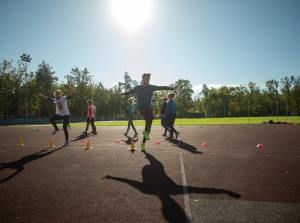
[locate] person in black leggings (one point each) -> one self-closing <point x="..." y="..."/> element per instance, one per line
<point x="62" y="112"/>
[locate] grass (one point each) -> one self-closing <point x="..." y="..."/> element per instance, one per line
<point x="200" y="121"/>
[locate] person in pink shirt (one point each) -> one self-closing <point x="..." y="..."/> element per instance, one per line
<point x="90" y="118"/>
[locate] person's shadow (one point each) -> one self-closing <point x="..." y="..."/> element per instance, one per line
<point x="183" y="145"/>
<point x="81" y="137"/>
<point x="19" y="164"/>
<point x="156" y="182"/>
<point x="129" y="139"/>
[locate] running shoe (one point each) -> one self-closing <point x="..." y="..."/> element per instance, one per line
<point x="66" y="144"/>
<point x="125" y="133"/>
<point x="146" y="134"/>
<point x="177" y="134"/>
<point x="55" y="131"/>
<point x="135" y="135"/>
<point x="143" y="146"/>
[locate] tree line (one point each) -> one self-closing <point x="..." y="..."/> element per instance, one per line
<point x="277" y="98"/>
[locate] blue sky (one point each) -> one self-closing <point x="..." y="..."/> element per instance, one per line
<point x="213" y="42"/>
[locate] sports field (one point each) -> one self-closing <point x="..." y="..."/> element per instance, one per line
<point x="175" y="180"/>
<point x="201" y="121"/>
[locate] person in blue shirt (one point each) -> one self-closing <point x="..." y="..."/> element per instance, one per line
<point x="170" y="113"/>
<point x="144" y="94"/>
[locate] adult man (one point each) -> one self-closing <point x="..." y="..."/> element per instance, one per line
<point x="144" y="94"/>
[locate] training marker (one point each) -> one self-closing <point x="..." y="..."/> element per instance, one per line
<point x="21" y="142"/>
<point x="260" y="145"/>
<point x="132" y="148"/>
<point x="51" y="144"/>
<point x="205" y="144"/>
<point x="157" y="143"/>
<point x="88" y="146"/>
<point x="117" y="141"/>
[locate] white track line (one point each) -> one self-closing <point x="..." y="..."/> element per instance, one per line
<point x="187" y="208"/>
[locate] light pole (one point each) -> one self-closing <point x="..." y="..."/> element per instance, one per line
<point x="120" y="84"/>
<point x="26" y="59"/>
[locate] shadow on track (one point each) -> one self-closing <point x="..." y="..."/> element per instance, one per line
<point x="183" y="145"/>
<point x="156" y="182"/>
<point x="81" y="137"/>
<point x="128" y="141"/>
<point x="19" y="164"/>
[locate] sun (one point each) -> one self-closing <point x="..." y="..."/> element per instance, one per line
<point x="132" y="17"/>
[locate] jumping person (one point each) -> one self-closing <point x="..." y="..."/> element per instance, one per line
<point x="62" y="112"/>
<point x="144" y="95"/>
<point x="90" y="118"/>
<point x="164" y="120"/>
<point x="170" y="113"/>
<point x="131" y="112"/>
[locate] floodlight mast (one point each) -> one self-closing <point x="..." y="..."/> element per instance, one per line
<point x="26" y="59"/>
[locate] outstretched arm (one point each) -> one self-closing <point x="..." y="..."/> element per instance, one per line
<point x="166" y="88"/>
<point x="70" y="92"/>
<point x="43" y="96"/>
<point x="126" y="93"/>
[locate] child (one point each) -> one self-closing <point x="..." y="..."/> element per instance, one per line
<point x="171" y="114"/>
<point x="62" y="112"/>
<point x="144" y="94"/>
<point x="130" y="112"/>
<point x="164" y="122"/>
<point x="90" y="117"/>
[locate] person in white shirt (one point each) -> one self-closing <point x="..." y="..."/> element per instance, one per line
<point x="62" y="112"/>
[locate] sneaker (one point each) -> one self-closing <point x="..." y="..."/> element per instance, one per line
<point x="66" y="144"/>
<point x="164" y="135"/>
<point x="55" y="131"/>
<point x="143" y="146"/>
<point x="146" y="134"/>
<point x="125" y="133"/>
<point x="94" y="133"/>
<point x="135" y="135"/>
<point x="177" y="134"/>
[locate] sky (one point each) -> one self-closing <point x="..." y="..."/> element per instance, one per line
<point x="214" y="42"/>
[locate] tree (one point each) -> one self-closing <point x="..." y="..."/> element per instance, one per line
<point x="45" y="82"/>
<point x="183" y="96"/>
<point x="82" y="85"/>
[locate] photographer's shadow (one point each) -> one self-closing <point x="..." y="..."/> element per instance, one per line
<point x="19" y="164"/>
<point x="156" y="182"/>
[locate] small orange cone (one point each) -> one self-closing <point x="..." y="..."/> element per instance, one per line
<point x="157" y="143"/>
<point x="51" y="143"/>
<point x="88" y="146"/>
<point x="117" y="141"/>
<point x="21" y="142"/>
<point x="205" y="144"/>
<point x="83" y="140"/>
<point x="260" y="145"/>
<point x="132" y="148"/>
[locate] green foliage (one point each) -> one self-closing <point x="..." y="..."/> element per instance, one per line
<point x="278" y="97"/>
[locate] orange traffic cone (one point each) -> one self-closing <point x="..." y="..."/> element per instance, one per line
<point x="21" y="142"/>
<point x="88" y="146"/>
<point x="132" y="148"/>
<point x="51" y="143"/>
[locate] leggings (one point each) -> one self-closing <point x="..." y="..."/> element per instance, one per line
<point x="65" y="119"/>
<point x="164" y="123"/>
<point x="130" y="123"/>
<point x="147" y="113"/>
<point x="88" y="121"/>
<point x="171" y="120"/>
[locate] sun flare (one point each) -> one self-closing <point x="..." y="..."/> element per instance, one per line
<point x="132" y="17"/>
